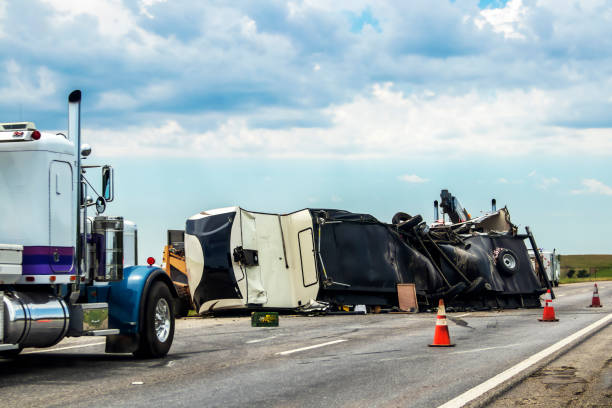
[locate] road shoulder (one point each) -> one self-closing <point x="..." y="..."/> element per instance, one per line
<point x="582" y="377"/>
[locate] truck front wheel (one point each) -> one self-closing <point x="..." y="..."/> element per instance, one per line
<point x="157" y="331"/>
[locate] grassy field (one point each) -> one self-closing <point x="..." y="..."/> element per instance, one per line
<point x="596" y="267"/>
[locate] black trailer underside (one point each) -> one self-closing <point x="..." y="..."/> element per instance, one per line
<point x="469" y="265"/>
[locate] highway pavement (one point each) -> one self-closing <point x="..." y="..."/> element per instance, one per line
<point x="334" y="361"/>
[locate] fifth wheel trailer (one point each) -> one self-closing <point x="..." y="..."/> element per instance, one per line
<point x="239" y="259"/>
<point x="64" y="272"/>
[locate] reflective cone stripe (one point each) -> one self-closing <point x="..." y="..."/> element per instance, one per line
<point x="441" y="335"/>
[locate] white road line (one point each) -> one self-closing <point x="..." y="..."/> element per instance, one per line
<point x="465" y="314"/>
<point x="64" y="348"/>
<point x="260" y="340"/>
<point x="329" y="343"/>
<point x="493" y="382"/>
<point x="484" y="349"/>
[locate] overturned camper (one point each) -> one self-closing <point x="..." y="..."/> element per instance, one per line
<point x="242" y="259"/>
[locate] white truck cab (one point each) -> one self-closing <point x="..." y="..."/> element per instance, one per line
<point x="64" y="272"/>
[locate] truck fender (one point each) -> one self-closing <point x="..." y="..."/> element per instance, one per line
<point x="157" y="274"/>
<point x="127" y="296"/>
<point x="126" y="302"/>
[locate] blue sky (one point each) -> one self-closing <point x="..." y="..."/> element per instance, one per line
<point x="364" y="106"/>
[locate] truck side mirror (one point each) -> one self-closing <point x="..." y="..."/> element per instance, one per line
<point x="108" y="183"/>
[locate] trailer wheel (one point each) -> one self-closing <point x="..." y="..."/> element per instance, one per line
<point x="508" y="262"/>
<point x="157" y="331"/>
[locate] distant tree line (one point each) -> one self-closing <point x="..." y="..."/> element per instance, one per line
<point x="582" y="273"/>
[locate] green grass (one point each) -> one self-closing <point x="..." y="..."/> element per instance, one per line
<point x="599" y="267"/>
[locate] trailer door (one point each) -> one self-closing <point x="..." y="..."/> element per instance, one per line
<point x="256" y="293"/>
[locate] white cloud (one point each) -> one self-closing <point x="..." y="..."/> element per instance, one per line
<point x="145" y="5"/>
<point x="412" y="178"/>
<point x="115" y="20"/>
<point x="593" y="186"/>
<point x="388" y="123"/>
<point x="248" y="27"/>
<point x="502" y="180"/>
<point x="507" y="20"/>
<point x="292" y="80"/>
<point x="27" y="86"/>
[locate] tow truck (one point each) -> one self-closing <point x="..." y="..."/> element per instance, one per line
<point x="64" y="272"/>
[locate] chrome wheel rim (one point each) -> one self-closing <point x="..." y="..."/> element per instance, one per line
<point x="509" y="261"/>
<point x="161" y="322"/>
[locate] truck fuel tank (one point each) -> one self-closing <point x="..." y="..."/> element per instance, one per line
<point x="34" y="319"/>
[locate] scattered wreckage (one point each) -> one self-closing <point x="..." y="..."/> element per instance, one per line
<point x="314" y="258"/>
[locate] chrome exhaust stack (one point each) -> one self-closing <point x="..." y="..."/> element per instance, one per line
<point x="74" y="135"/>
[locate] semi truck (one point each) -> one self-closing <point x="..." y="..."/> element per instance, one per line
<point x="65" y="269"/>
<point x="551" y="262"/>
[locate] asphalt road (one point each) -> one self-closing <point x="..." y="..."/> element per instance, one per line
<point x="373" y="360"/>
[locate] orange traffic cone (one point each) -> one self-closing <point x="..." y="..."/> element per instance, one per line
<point x="441" y="336"/>
<point x="595" y="302"/>
<point x="548" y="315"/>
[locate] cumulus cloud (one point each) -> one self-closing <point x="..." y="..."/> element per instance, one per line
<point x="27" y="85"/>
<point x="299" y="79"/>
<point x="145" y="6"/>
<point x="593" y="186"/>
<point x="508" y="20"/>
<point x="387" y="123"/>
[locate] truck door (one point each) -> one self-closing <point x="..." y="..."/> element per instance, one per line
<point x="256" y="293"/>
<point x="61" y="221"/>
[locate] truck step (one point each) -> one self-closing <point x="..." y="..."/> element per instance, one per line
<point x="104" y="332"/>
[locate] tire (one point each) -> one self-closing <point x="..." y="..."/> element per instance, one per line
<point x="507" y="262"/>
<point x="157" y="331"/>
<point x="399" y="217"/>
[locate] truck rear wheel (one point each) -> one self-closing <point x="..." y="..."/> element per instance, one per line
<point x="157" y="331"/>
